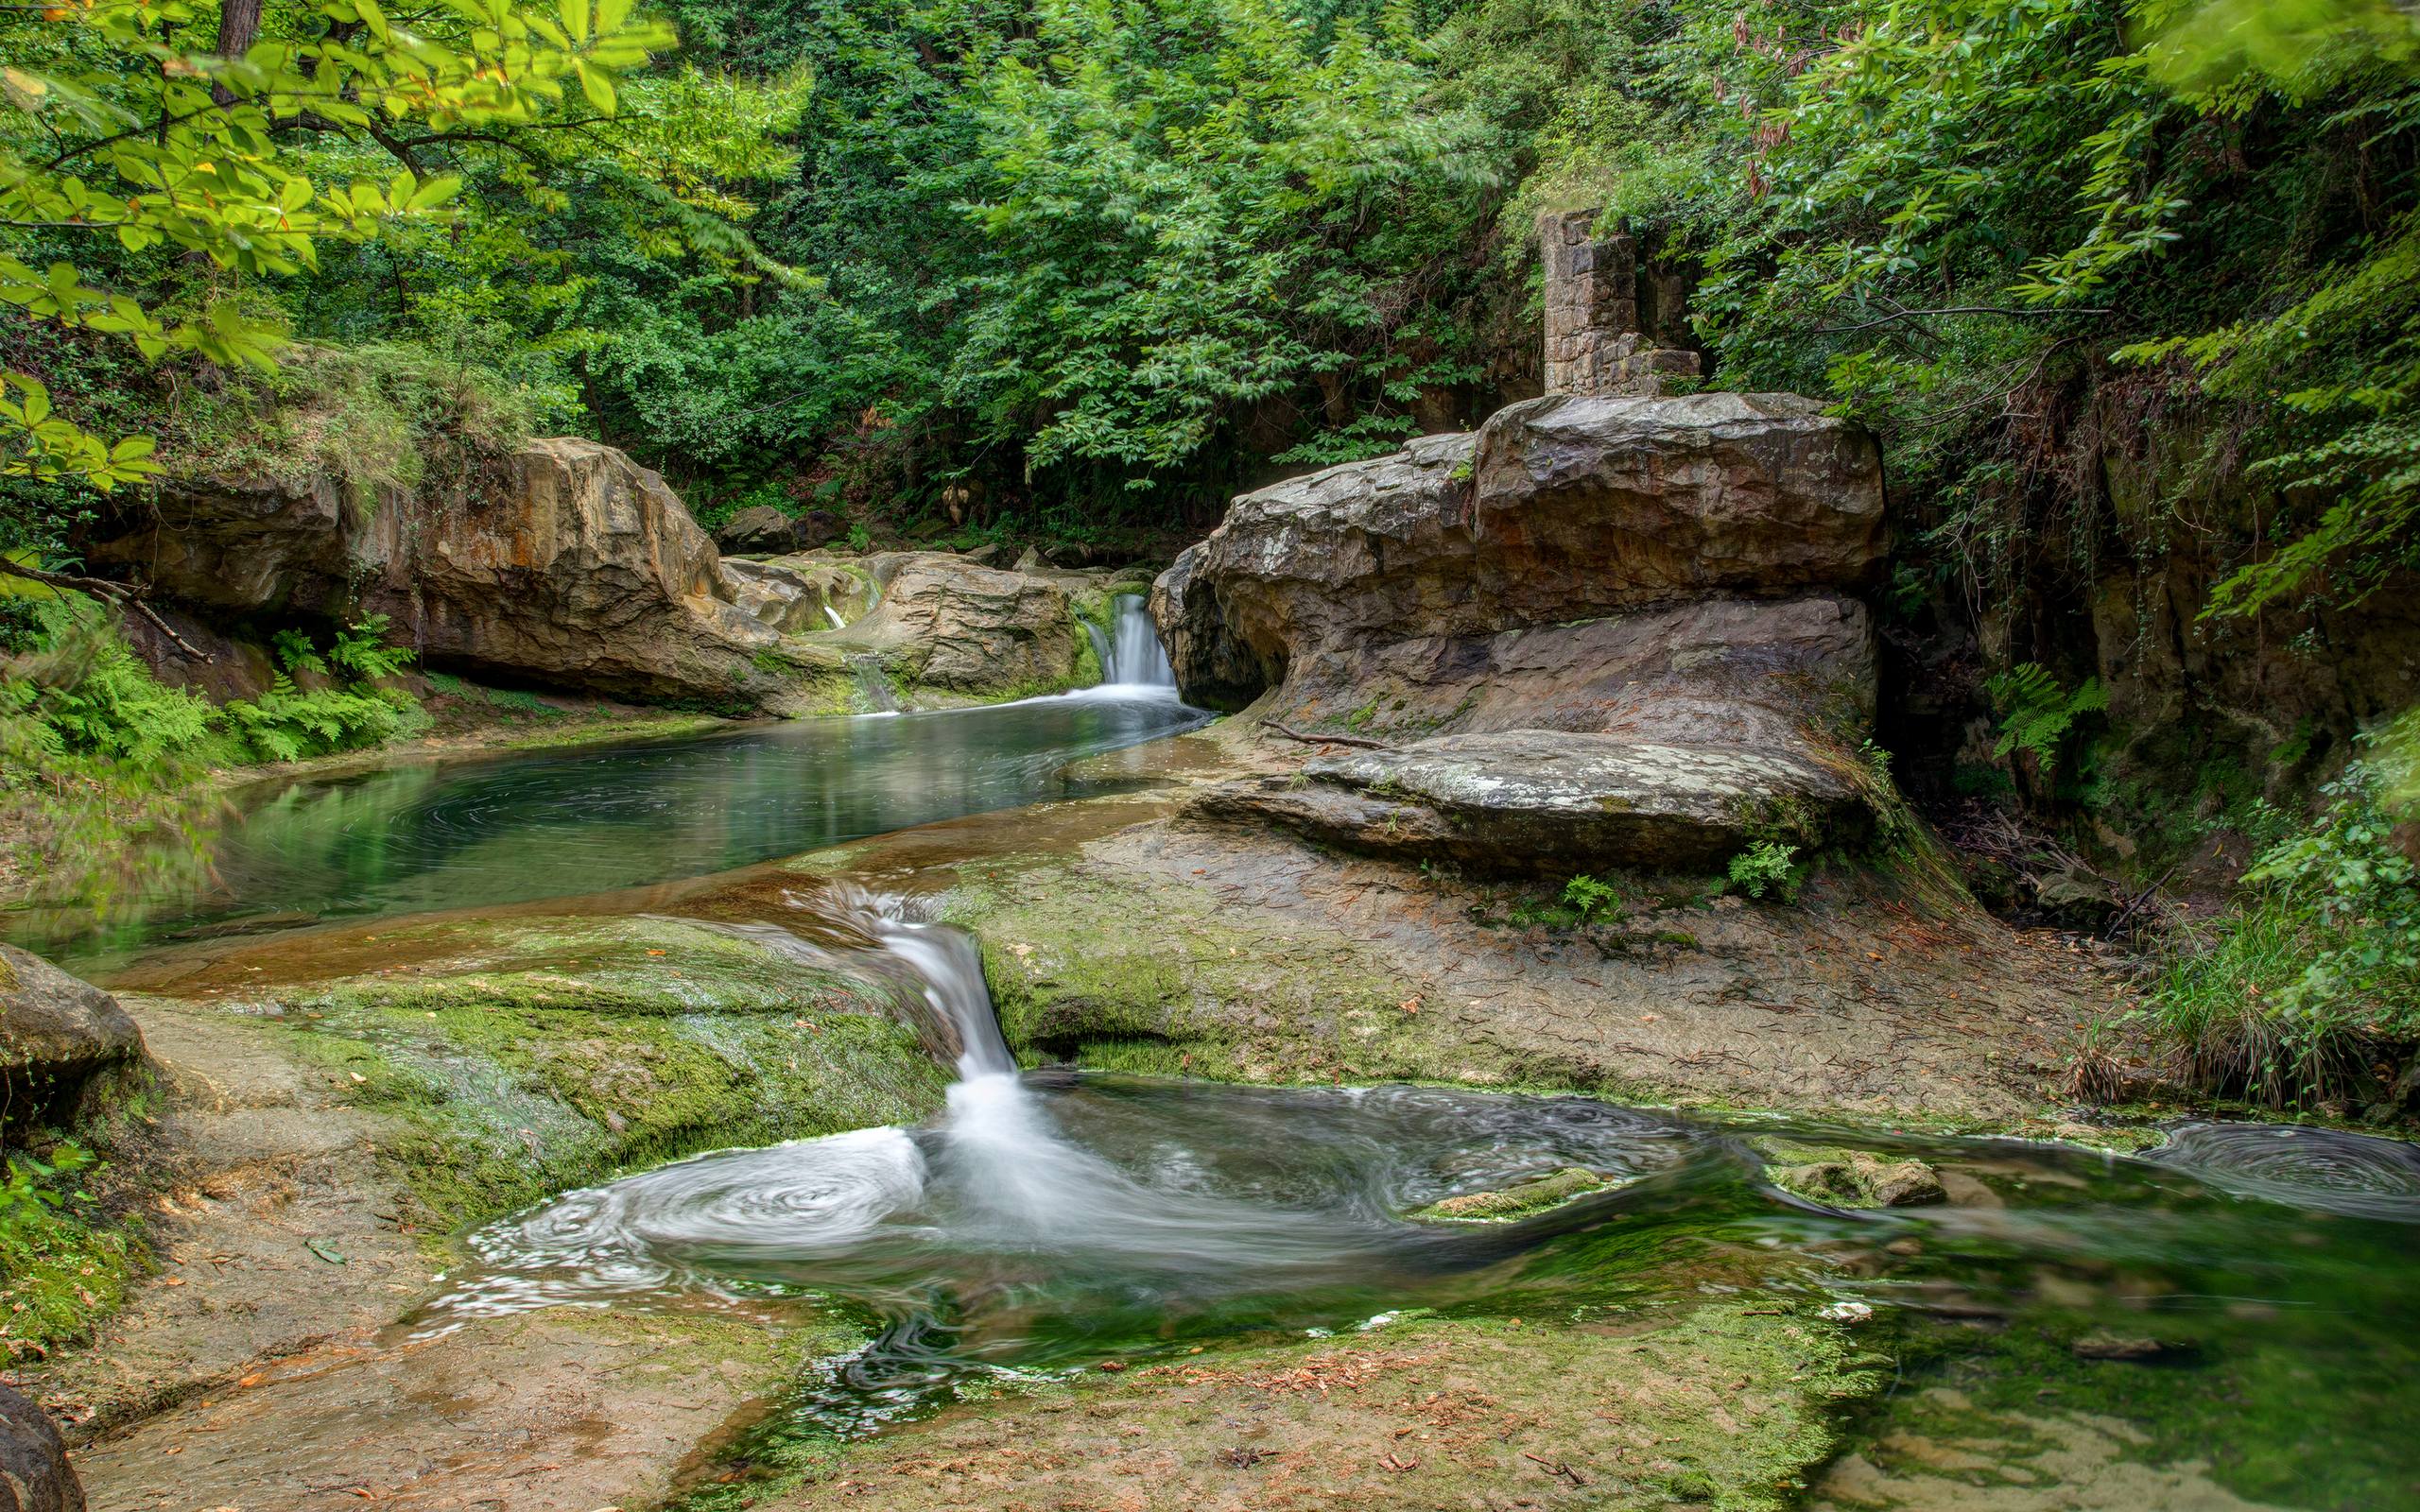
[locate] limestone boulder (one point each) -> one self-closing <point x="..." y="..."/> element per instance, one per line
<point x="960" y="628"/>
<point x="34" y="1472"/>
<point x="561" y="563"/>
<point x="1557" y="510"/>
<point x="59" y="1037"/>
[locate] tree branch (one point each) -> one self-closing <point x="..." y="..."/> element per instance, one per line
<point x="1276" y="727"/>
<point x="119" y="593"/>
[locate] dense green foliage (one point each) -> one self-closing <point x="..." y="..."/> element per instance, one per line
<point x="102" y="766"/>
<point x="2319" y="975"/>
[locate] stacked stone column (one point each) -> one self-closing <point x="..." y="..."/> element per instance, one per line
<point x="1594" y="343"/>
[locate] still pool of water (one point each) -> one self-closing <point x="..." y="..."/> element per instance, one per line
<point x="516" y="828"/>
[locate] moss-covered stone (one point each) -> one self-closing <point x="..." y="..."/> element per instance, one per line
<point x="1842" y="1177"/>
<point x="1727" y="1406"/>
<point x="1522" y="1199"/>
<point x="1173" y="989"/>
<point x="560" y="1050"/>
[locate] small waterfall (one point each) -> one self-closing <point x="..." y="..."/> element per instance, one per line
<point x="833" y="616"/>
<point x="874" y="684"/>
<point x="1103" y="651"/>
<point x="1136" y="658"/>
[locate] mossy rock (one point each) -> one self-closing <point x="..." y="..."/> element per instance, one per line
<point x="1523" y="1199"/>
<point x="556" y="1053"/>
<point x="1841" y="1178"/>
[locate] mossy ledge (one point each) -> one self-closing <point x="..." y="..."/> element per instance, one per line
<point x="553" y="1053"/>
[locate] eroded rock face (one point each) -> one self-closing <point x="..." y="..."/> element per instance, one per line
<point x="1603" y="630"/>
<point x="1223" y="674"/>
<point x="949" y="623"/>
<point x="564" y="562"/>
<point x="34" y="1472"/>
<point x="58" y="1035"/>
<point x="1559" y="510"/>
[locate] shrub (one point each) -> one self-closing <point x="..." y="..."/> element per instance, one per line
<point x="2318" y="968"/>
<point x="1768" y="866"/>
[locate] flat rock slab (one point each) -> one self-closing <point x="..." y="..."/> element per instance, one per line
<point x="1521" y="800"/>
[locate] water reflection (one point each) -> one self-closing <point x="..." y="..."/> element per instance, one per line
<point x="558" y="824"/>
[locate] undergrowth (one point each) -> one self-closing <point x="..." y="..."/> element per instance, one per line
<point x="62" y="1261"/>
<point x="2313" y="981"/>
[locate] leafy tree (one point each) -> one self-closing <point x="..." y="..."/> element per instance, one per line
<point x="124" y="132"/>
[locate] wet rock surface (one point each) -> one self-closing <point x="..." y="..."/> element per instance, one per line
<point x="58" y="1035"/>
<point x="34" y="1472"/>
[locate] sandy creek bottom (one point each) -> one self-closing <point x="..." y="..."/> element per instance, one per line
<point x="2258" y="1283"/>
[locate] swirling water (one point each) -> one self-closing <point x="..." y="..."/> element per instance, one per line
<point x="1050" y="1220"/>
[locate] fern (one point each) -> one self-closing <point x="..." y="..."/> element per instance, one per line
<point x="2036" y="713"/>
<point x="295" y="652"/>
<point x="361" y="650"/>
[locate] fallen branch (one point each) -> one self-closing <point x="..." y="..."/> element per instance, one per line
<point x="1275" y="727"/>
<point x="119" y="593"/>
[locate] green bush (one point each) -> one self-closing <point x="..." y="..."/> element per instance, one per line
<point x="1768" y="866"/>
<point x="2318" y="968"/>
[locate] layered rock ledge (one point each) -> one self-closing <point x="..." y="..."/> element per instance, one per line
<point x="1600" y="630"/>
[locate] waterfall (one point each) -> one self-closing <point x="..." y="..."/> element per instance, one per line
<point x="1136" y="658"/>
<point x="874" y="684"/>
<point x="833" y="616"/>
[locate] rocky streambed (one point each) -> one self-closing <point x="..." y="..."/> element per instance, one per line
<point x="1397" y="1093"/>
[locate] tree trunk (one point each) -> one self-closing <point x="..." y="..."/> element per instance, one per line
<point x="239" y="26"/>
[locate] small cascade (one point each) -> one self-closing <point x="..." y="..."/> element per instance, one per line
<point x="867" y="669"/>
<point x="1103" y="651"/>
<point x="1135" y="657"/>
<point x="833" y="616"/>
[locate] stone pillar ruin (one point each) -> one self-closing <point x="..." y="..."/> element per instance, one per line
<point x="1593" y="342"/>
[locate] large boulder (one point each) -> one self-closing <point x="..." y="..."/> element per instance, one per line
<point x="961" y="629"/>
<point x="1603" y="631"/>
<point x="1557" y="510"/>
<point x="1667" y="739"/>
<point x="34" y="1472"/>
<point x="1532" y="799"/>
<point x="798" y="595"/>
<point x="59" y="1037"/>
<point x="562" y="562"/>
<point x="1219" y="673"/>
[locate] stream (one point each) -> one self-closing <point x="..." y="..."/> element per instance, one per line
<point x="485" y="831"/>
<point x="2238" y="1306"/>
<point x="2249" y="1288"/>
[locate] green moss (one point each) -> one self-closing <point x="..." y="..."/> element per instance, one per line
<point x="1176" y="990"/>
<point x="1521" y="1200"/>
<point x="1728" y="1404"/>
<point x="66" y="1258"/>
<point x="569" y="1050"/>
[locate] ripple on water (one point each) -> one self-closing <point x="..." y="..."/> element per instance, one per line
<point x="2327" y="1169"/>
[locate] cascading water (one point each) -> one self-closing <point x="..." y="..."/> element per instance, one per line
<point x="1044" y="1222"/>
<point x="1136" y="658"/>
